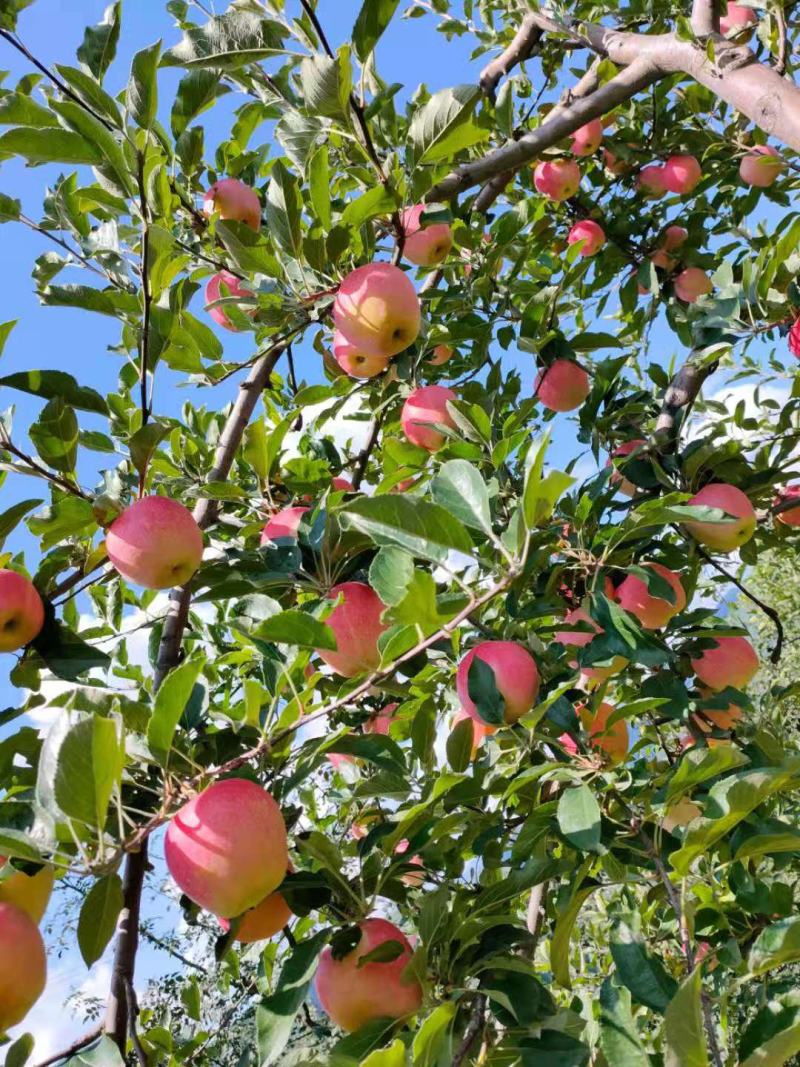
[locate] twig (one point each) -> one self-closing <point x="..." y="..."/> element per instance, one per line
<point x="133" y="1012"/>
<point x="76" y="1046"/>
<point x="63" y="483"/>
<point x="118" y="1014"/>
<point x="363" y="456"/>
<point x="477" y="1022"/>
<point x="780" y="23"/>
<point x="298" y="424"/>
<point x="68" y="248"/>
<point x="521" y="48"/>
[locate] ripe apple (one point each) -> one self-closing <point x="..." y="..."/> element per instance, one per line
<point x="674" y="237"/>
<point x="342" y="485"/>
<point x="21" y="611"/>
<point x="356" y="624"/>
<point x="428" y="246"/>
<point x="441" y="354"/>
<point x="480" y="730"/>
<point x="617" y="479"/>
<point x="425" y="408"/>
<point x="412" y="879"/>
<point x="734" y="532"/>
<point x="691" y="284"/>
<point x="226" y="848"/>
<point x="680" y="814"/>
<point x="263" y="921"/>
<point x="587" y="139"/>
<point x="353" y="361"/>
<point x="155" y="542"/>
<point x="283" y="524"/>
<point x="579" y="639"/>
<point x="650" y="181"/>
<point x="563" y="386"/>
<point x="613" y="740"/>
<point x="613" y="165"/>
<point x="380" y="722"/>
<point x="793" y="339"/>
<point x="558" y="179"/>
<point x="761" y="166"/>
<point x="590" y="233"/>
<point x="515" y="674"/>
<point x="225" y="284"/>
<point x="377" y="310"/>
<point x="733" y="661"/>
<point x="681" y="174"/>
<point x="664" y="260"/>
<point x="737" y="20"/>
<point x="653" y="612"/>
<point x="30" y="892"/>
<point x="23" y="965"/>
<point x="232" y="199"/>
<point x="721" y="718"/>
<point x="791" y="516"/>
<point x="353" y="996"/>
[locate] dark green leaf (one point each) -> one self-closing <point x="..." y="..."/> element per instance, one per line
<point x="619" y="1039"/>
<point x="11" y="517"/>
<point x="19" y="1052"/>
<point x="197" y="91"/>
<point x="56" y="383"/>
<point x="638" y="970"/>
<point x="275" y="1014"/>
<point x="579" y="818"/>
<point x="99" y="46"/>
<point x="170" y="704"/>
<point x="683" y="1026"/>
<point x="775" y="946"/>
<point x="98" y="917"/>
<point x="484" y="692"/>
<point x="55" y="435"/>
<point x="459" y="745"/>
<point x="372" y="20"/>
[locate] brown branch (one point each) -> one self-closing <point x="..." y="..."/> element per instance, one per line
<point x="705" y="17"/>
<point x="133" y="1013"/>
<point x="780" y="23"/>
<point x="681" y="393"/>
<point x="118" y="1014"/>
<point x="521" y="48"/>
<point x="76" y="1046"/>
<point x="63" y="483"/>
<point x="367" y="450"/>
<point x="476" y="1024"/>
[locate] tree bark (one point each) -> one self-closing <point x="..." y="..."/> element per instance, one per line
<point x="117" y="1015"/>
<point x="705" y="17"/>
<point x="521" y="48"/>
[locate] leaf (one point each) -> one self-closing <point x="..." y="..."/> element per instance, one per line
<point x="459" y="745"/>
<point x="319" y="184"/>
<point x="98" y="917"/>
<point x="484" y="692"/>
<point x="393" y="1056"/>
<point x="444" y="125"/>
<point x="141" y="96"/>
<point x="99" y="47"/>
<point x="11" y="516"/>
<point x="433" y="1035"/>
<point x="371" y="22"/>
<point x="422" y="528"/>
<point x="282" y="209"/>
<point x="778" y="944"/>
<point x="275" y="1014"/>
<point x="55" y="435"/>
<point x="197" y="91"/>
<point x="49" y="146"/>
<point x="391" y="574"/>
<point x="459" y="488"/>
<point x="105" y="301"/>
<point x="296" y="628"/>
<point x="376" y="201"/>
<point x="641" y="973"/>
<point x="95" y="133"/>
<point x="579" y="818"/>
<point x="79" y="766"/>
<point x="66" y="654"/>
<point x="9" y="12"/>
<point x="559" y="943"/>
<point x="683" y="1026"/>
<point x="228" y="42"/>
<point x="319" y="76"/>
<point x="102" y="1054"/>
<point x="19" y="1052"/>
<point x="619" y="1039"/>
<point x="699" y="764"/>
<point x="773" y="1037"/>
<point x="143" y="444"/>
<point x="49" y="384"/>
<point x="170" y="704"/>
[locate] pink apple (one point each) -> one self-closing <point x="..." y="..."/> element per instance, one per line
<point x="681" y="174"/>
<point x="732" y="661"/>
<point x="357" y="625"/>
<point x="791" y="516"/>
<point x="425" y="246"/>
<point x="441" y="355"/>
<point x="793" y="340"/>
<point x="21" y="611"/>
<point x="674" y="237"/>
<point x="619" y="454"/>
<point x="223" y="285"/>
<point x="613" y="740"/>
<point x="737" y="19"/>
<point x="353" y="361"/>
<point x="425" y="408"/>
<point x="342" y="485"/>
<point x="650" y="181"/>
<point x="412" y="879"/>
<point x="761" y="166"/>
<point x="580" y="638"/>
<point x="691" y="284"/>
<point x="381" y="721"/>
<point x="377" y="310"/>
<point x="587" y="139"/>
<point x="613" y="165"/>
<point x="652" y="611"/>
<point x="733" y="532"/>
<point x="516" y="677"/>
<point x="558" y="180"/>
<point x="590" y="233"/>
<point x="563" y="386"/>
<point x="283" y="524"/>
<point x="23" y="965"/>
<point x="232" y="199"/>
<point x="263" y="921"/>
<point x="155" y="543"/>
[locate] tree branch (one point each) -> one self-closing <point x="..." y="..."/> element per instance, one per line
<point x="76" y="1046"/>
<point x="521" y="48"/>
<point x="118" y="1016"/>
<point x="681" y="393"/>
<point x="476" y="1024"/>
<point x="705" y="17"/>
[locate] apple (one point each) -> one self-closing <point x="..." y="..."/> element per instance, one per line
<point x="30" y="892"/>
<point x="590" y="233"/>
<point x="558" y="180"/>
<point x="681" y="174"/>
<point x="691" y="284"/>
<point x="737" y="19"/>
<point x="734" y="532"/>
<point x="680" y="815"/>
<point x="353" y="996"/>
<point x="563" y="386"/>
<point x="793" y="339"/>
<point x="225" y="284"/>
<point x="377" y="310"/>
<point x="155" y="542"/>
<point x="412" y="879"/>
<point x="617" y="479"/>
<point x="587" y="139"/>
<point x="21" y="611"/>
<point x="791" y="516"/>
<point x="515" y="674"/>
<point x="674" y="237"/>
<point x="579" y="639"/>
<point x="232" y="199"/>
<point x="356" y="624"/>
<point x="23" y="965"/>
<point x="480" y="730"/>
<point x="650" y="181"/>
<point x="342" y="485"/>
<point x="381" y="721"/>
<point x="664" y="260"/>
<point x="613" y="740"/>
<point x="354" y="362"/>
<point x="283" y="524"/>
<point x="761" y="166"/>
<point x="263" y="921"/>
<point x="653" y="612"/>
<point x="441" y="354"/>
<point x="428" y="246"/>
<point x="613" y="165"/>
<point x="226" y="848"/>
<point x="721" y="718"/>
<point x="733" y="661"/>
<point x="425" y="408"/>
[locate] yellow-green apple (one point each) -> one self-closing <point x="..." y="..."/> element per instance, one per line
<point x="226" y="848"/>
<point x="441" y="354"/>
<point x="652" y="611"/>
<point x="377" y="310"/>
<point x="691" y="284"/>
<point x="155" y="542"/>
<point x="23" y="965"/>
<point x="563" y="386"/>
<point x="21" y="611"/>
<point x="283" y="524"/>
<point x="558" y="179"/>
<point x="353" y="361"/>
<point x="732" y="661"/>
<point x="590" y="234"/>
<point x="222" y="285"/>
<point x="587" y="139"/>
<point x="580" y="638"/>
<point x="426" y="246"/>
<point x="681" y="174"/>
<point x="425" y="408"/>
<point x="381" y="721"/>
<point x="617" y="478"/>
<point x="516" y="677"/>
<point x="356" y="624"/>
<point x="761" y="166"/>
<point x="232" y="200"/>
<point x="791" y="515"/>
<point x="650" y="181"/>
<point x="263" y="921"/>
<point x="353" y="995"/>
<point x="737" y="20"/>
<point x="30" y="892"/>
<point x="733" y="532"/>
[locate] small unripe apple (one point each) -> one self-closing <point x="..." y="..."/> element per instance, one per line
<point x="721" y="718"/>
<point x="232" y="199"/>
<point x="737" y="20"/>
<point x="734" y="532"/>
<point x="226" y="848"/>
<point x="650" y="181"/>
<point x="653" y="612"/>
<point x="353" y="361"/>
<point x="352" y="996"/>
<point x="377" y="310"/>
<point x="590" y="233"/>
<point x="480" y="730"/>
<point x="30" y="892"/>
<point x="557" y="179"/>
<point x="674" y="237"/>
<point x="23" y="965"/>
<point x="356" y="624"/>
<point x="263" y="921"/>
<point x="791" y="516"/>
<point x="425" y="408"/>
<point x="691" y="284"/>
<point x="155" y="542"/>
<point x="587" y="139"/>
<point x="563" y="386"/>
<point x="733" y="661"/>
<point x="441" y="355"/>
<point x="579" y="639"/>
<point x="612" y="740"/>
<point x="283" y="524"/>
<point x="761" y="166"/>
<point x="424" y="246"/>
<point x="380" y="722"/>
<point x="681" y="174"/>
<point x="21" y="611"/>
<point x="617" y="478"/>
<point x="516" y="677"/>
<point x="225" y="284"/>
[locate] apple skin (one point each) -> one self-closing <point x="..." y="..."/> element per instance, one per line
<point x="579" y="640"/>
<point x="739" y="19"/>
<point x="681" y="174"/>
<point x="342" y="485"/>
<point x="232" y="199"/>
<point x="674" y="237"/>
<point x="724" y="537"/>
<point x="353" y="361"/>
<point x="592" y="235"/>
<point x="587" y="139"/>
<point x="558" y="180"/>
<point x="614" y="741"/>
<point x="283" y="524"/>
<point x="214" y="292"/>
<point x="356" y="623"/>
<point x="29" y="892"/>
<point x="480" y="730"/>
<point x="623" y="484"/>
<point x="516" y="677"/>
<point x="613" y="165"/>
<point x="721" y="718"/>
<point x="377" y="310"/>
<point x="650" y="181"/>
<point x="352" y="996"/>
<point x="691" y="284"/>
<point x="21" y="611"/>
<point x="380" y="723"/>
<point x="155" y="543"/>
<point x="427" y="404"/>
<point x="790" y="517"/>
<point x="652" y="612"/>
<point x="412" y="878"/>
<point x="263" y="921"/>
<point x="761" y="166"/>
<point x="680" y="814"/>
<point x="23" y="965"/>
<point x="441" y="354"/>
<point x="563" y="386"/>
<point x="226" y="848"/>
<point x="732" y="662"/>
<point x="424" y="246"/>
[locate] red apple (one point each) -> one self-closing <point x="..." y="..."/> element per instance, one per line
<point x="342" y="485"/>
<point x="381" y="721"/>
<point x="558" y="180"/>
<point x="691" y="284"/>
<point x="733" y="661"/>
<point x="721" y="718"/>
<point x="563" y="386"/>
<point x="515" y="673"/>
<point x="428" y="246"/>
<point x="23" y="965"/>
<point x="155" y="542"/>
<point x="734" y="532"/>
<point x="21" y="611"/>
<point x="613" y="740"/>
<point x="377" y="310"/>
<point x="232" y="199"/>
<point x="681" y="174"/>
<point x="761" y="166"/>
<point x="225" y="284"/>
<point x="590" y="234"/>
<point x="425" y="408"/>
<point x="356" y="624"/>
<point x="653" y="612"/>
<point x="412" y="879"/>
<point x="674" y="237"/>
<point x="737" y="20"/>
<point x="283" y="524"/>
<point x="353" y="361"/>
<point x="650" y="181"/>
<point x="587" y="139"/>
<point x="791" y="516"/>
<point x="579" y="639"/>
<point x="441" y="354"/>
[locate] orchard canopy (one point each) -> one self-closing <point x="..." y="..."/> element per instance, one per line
<point x="412" y="619"/>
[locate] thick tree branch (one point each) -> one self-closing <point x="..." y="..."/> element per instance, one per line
<point x="476" y="1024"/>
<point x="521" y="48"/>
<point x="705" y="17"/>
<point x="118" y="1018"/>
<point x="679" y="397"/>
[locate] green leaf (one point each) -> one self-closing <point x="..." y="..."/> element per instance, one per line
<point x="391" y="574"/>
<point x="141" y="96"/>
<point x="102" y="1054"/>
<point x="144" y="442"/>
<point x="5" y="332"/>
<point x="413" y="524"/>
<point x="319" y="76"/>
<point x="376" y="201"/>
<point x="9" y="12"/>
<point x="55" y="435"/>
<point x="775" y="946"/>
<point x="98" y="918"/>
<point x="275" y="1014"/>
<point x="319" y="184"/>
<point x="283" y="209"/>
<point x="579" y="818"/>
<point x="699" y="764"/>
<point x="296" y="628"/>
<point x="459" y="745"/>
<point x="197" y="91"/>
<point x="393" y="1056"/>
<point x="49" y="146"/>
<point x="19" y="1052"/>
<point x="87" y="88"/>
<point x="170" y="704"/>
<point x="433" y="1036"/>
<point x="619" y="1039"/>
<point x="459" y="488"/>
<point x="17" y="109"/>
<point x="95" y="133"/>
<point x="640" y="972"/>
<point x="683" y="1026"/>
<point x="773" y="1037"/>
<point x="559" y="943"/>
<point x="372" y="20"/>
<point x="99" y="46"/>
<point x="228" y="42"/>
<point x="484" y="692"/>
<point x="66" y="654"/>
<point x="49" y="384"/>
<point x="444" y="126"/>
<point x="79" y="766"/>
<point x="11" y="517"/>
<point x="105" y="301"/>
